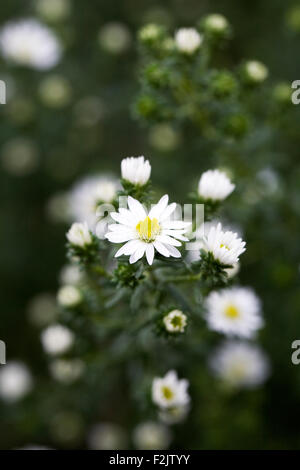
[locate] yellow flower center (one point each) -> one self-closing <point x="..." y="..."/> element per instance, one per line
<point x="225" y="246"/>
<point x="167" y="393"/>
<point x="148" y="229"/>
<point x="231" y="311"/>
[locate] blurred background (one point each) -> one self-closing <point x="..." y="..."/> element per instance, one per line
<point x="77" y="119"/>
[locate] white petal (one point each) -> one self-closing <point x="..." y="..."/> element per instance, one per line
<point x="168" y="240"/>
<point x="174" y="252"/>
<point x="158" y="209"/>
<point x="168" y="211"/>
<point x="176" y="224"/>
<point x="128" y="248"/>
<point x="119" y="237"/>
<point x="122" y="219"/>
<point x="138" y="254"/>
<point x="136" y="208"/>
<point x="150" y="253"/>
<point x="161" y="249"/>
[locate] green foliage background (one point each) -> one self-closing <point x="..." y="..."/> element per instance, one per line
<point x="33" y="246"/>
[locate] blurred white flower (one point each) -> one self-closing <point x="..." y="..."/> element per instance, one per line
<point x="188" y="40"/>
<point x="87" y="194"/>
<point x="235" y="311"/>
<point x="174" y="415"/>
<point x="225" y="247"/>
<point x="175" y="321"/>
<point x="20" y="156"/>
<point x="144" y="233"/>
<point x="69" y="296"/>
<point x="71" y="274"/>
<point x="151" y="435"/>
<point x="28" y="42"/>
<point x="169" y="391"/>
<point x="107" y="436"/>
<point x="79" y="234"/>
<point x="256" y="71"/>
<point x="55" y="91"/>
<point x="114" y="37"/>
<point x="136" y="170"/>
<point x="66" y="370"/>
<point x="215" y="185"/>
<point x="164" y="138"/>
<point x="240" y="364"/>
<point x="54" y="10"/>
<point x="15" y="381"/>
<point x="216" y="23"/>
<point x="42" y="309"/>
<point x="57" y="339"/>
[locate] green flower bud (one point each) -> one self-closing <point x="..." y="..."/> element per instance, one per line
<point x="282" y="93"/>
<point x="151" y="34"/>
<point x="223" y="84"/>
<point x="156" y="75"/>
<point x="237" y="125"/>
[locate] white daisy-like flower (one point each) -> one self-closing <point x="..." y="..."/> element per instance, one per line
<point x="225" y="247"/>
<point x="215" y="185"/>
<point x="144" y="233"/>
<point x="79" y="234"/>
<point x="188" y="40"/>
<point x="15" y="381"/>
<point x="235" y="312"/>
<point x="86" y="196"/>
<point x="151" y="435"/>
<point x="69" y="296"/>
<point x="57" y="339"/>
<point x="136" y="170"/>
<point x="169" y="391"/>
<point x="175" y="321"/>
<point x="240" y="364"/>
<point x="256" y="71"/>
<point x="30" y="43"/>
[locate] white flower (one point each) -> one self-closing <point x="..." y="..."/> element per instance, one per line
<point x="151" y="435"/>
<point x="240" y="364"/>
<point x="79" y="234"/>
<point x="107" y="436"/>
<point x="71" y="274"/>
<point x="28" y="42"/>
<point x="215" y="185"/>
<point x="88" y="194"/>
<point x="174" y="415"/>
<point x="136" y="170"/>
<point x="169" y="391"/>
<point x="226" y="247"/>
<point x="69" y="296"/>
<point x="216" y="22"/>
<point x="175" y="321"/>
<point x="232" y="272"/>
<point x="66" y="370"/>
<point x="188" y="40"/>
<point x="15" y="381"/>
<point x="144" y="233"/>
<point x="256" y="71"/>
<point x="57" y="339"/>
<point x="234" y="311"/>
<point x="114" y="37"/>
